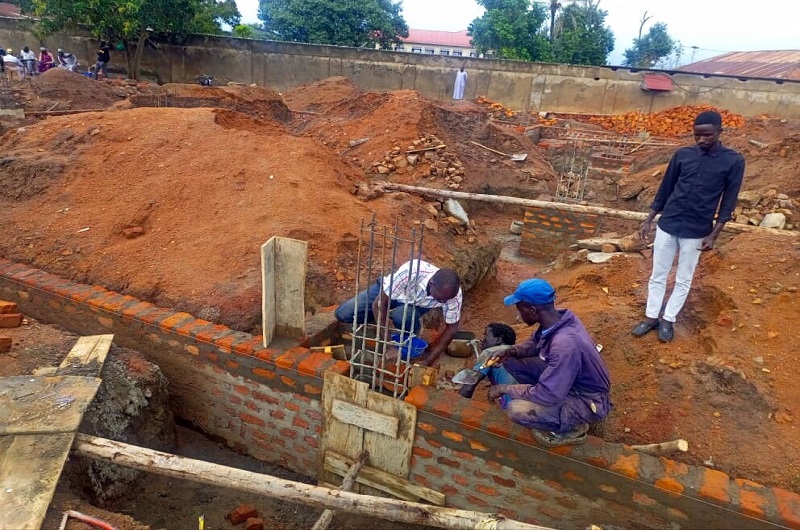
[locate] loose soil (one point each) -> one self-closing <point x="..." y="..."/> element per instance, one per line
<point x="205" y="187"/>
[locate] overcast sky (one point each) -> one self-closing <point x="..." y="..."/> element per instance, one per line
<point x="714" y="27"/>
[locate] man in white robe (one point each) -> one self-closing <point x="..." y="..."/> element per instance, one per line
<point x="461" y="83"/>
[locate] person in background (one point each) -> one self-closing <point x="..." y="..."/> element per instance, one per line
<point x="560" y="382"/>
<point x="11" y="64"/>
<point x="46" y="61"/>
<point x="67" y="60"/>
<point x="420" y="285"/>
<point x="701" y="182"/>
<point x="460" y="85"/>
<point x="28" y="60"/>
<point x="103" y="58"/>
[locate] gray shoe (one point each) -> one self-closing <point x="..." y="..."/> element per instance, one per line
<point x="576" y="436"/>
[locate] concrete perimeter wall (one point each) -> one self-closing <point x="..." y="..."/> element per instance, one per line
<point x="267" y="403"/>
<point x="519" y="85"/>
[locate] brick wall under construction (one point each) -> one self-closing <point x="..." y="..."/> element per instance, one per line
<point x="266" y="402"/>
<point x="548" y="231"/>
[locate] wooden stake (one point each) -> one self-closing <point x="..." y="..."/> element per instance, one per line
<point x="297" y="492"/>
<point x="567" y="207"/>
<point x="663" y="448"/>
<point x="347" y="484"/>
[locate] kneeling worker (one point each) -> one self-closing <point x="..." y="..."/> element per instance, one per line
<point x="419" y="284"/>
<point x="561" y="382"/>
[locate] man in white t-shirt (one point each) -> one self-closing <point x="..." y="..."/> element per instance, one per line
<point x="412" y="290"/>
<point x="28" y="59"/>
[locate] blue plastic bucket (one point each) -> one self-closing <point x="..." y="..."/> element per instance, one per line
<point x="415" y="346"/>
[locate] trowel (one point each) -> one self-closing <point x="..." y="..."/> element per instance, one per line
<point x="469" y="376"/>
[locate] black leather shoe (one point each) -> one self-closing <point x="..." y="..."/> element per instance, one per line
<point x="665" y="332"/>
<point x="644" y="327"/>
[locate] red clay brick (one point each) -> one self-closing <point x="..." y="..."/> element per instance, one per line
<point x="266" y="374"/>
<point x="236" y="400"/>
<point x="751" y="497"/>
<point x="418" y="396"/>
<point x="252" y="406"/>
<point x="435" y="443"/>
<point x="193" y="327"/>
<point x="449" y="490"/>
<point x="249" y="347"/>
<point x="254" y="523"/>
<point x="474" y="444"/>
<point x="456" y="437"/>
<point x="448" y="462"/>
<point x="572" y="476"/>
<point x="474" y="415"/>
<point x="241" y="514"/>
<point x="422" y="453"/>
<point x="536" y="494"/>
<point x="551" y="512"/>
<point x="487" y="490"/>
<point x="225" y="342"/>
<point x="461" y="479"/>
<point x="278" y="414"/>
<point x="291" y="357"/>
<point x="425" y="427"/>
<point x="7" y="307"/>
<point x="788" y="505"/>
<point x="669" y="484"/>
<point x="432" y="470"/>
<point x="288" y="381"/>
<point x="312" y="389"/>
<point x="340" y="367"/>
<point x="507" y="482"/>
<point x="249" y="418"/>
<point x="176" y="320"/>
<point x="288" y="433"/>
<point x="5" y="344"/>
<point x="566" y="502"/>
<point x="264" y="397"/>
<point x="233" y="365"/>
<point x="212" y="333"/>
<point x="241" y="389"/>
<point x="643" y="500"/>
<point x="477" y="501"/>
<point x="299" y="422"/>
<point x="597" y="462"/>
<point x="10" y="320"/>
<point x="315" y="364"/>
<point x="627" y="465"/>
<point x="154" y="316"/>
<point x="716" y="486"/>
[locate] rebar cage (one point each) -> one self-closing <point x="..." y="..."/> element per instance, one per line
<point x="381" y="353"/>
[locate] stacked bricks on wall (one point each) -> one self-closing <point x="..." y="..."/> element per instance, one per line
<point x="267" y="403"/>
<point x="10" y="317"/>
<point x="548" y="231"/>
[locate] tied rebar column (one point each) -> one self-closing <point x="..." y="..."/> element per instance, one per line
<point x="375" y="355"/>
<point x="573" y="173"/>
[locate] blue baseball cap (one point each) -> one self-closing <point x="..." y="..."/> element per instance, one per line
<point x="534" y="291"/>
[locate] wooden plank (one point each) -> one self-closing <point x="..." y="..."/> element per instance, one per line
<point x="290" y="287"/>
<point x="283" y="280"/>
<point x="366" y="419"/>
<point x="86" y="353"/>
<point x="382" y="481"/>
<point x="31" y="405"/>
<point x="268" y="307"/>
<point x="342" y="438"/>
<point x="392" y="455"/>
<point x="29" y="471"/>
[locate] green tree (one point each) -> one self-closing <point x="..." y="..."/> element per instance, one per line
<point x="511" y="29"/>
<point x="648" y="50"/>
<point x="354" y="23"/>
<point x="132" y="21"/>
<point x="582" y="36"/>
<point x="244" y="31"/>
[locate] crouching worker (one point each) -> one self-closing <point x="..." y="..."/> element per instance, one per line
<point x="561" y="383"/>
<point x="420" y="285"/>
<point x="495" y="335"/>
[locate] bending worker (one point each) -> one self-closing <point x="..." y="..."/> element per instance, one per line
<point x="422" y="287"/>
<point x="560" y="383"/>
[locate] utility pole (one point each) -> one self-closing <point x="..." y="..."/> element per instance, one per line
<point x="694" y="50"/>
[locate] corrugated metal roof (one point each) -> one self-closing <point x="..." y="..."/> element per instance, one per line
<point x="776" y="64"/>
<point x="439" y="38"/>
<point x="659" y="82"/>
<point x="9" y="10"/>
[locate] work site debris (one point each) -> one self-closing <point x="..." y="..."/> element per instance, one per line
<point x="426" y="156"/>
<point x="676" y="121"/>
<point x="769" y="209"/>
<point x="241" y="514"/>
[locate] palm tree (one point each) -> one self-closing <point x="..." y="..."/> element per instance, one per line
<point x="555" y="5"/>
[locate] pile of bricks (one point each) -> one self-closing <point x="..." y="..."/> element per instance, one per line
<point x="10" y="317"/>
<point x="423" y="158"/>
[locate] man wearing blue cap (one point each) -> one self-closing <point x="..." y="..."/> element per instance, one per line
<point x="559" y="382"/>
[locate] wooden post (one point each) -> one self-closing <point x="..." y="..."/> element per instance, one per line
<point x="283" y="280"/>
<point x="663" y="448"/>
<point x="297" y="492"/>
<point x="347" y="484"/>
<point x="566" y="207"/>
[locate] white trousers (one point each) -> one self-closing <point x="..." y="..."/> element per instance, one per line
<point x="664" y="248"/>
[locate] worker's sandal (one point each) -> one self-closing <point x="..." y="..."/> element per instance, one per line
<point x="576" y="436"/>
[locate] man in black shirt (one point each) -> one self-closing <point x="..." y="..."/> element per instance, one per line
<point x="103" y="58"/>
<point x="700" y="181"/>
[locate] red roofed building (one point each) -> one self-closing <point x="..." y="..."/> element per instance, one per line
<point x="452" y="43"/>
<point x="9" y="10"/>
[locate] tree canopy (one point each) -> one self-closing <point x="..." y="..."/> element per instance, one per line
<point x="129" y="21"/>
<point x="651" y="48"/>
<point x="581" y="36"/>
<point x="354" y="23"/>
<point x="511" y="29"/>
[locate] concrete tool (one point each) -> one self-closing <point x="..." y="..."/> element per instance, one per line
<point x="516" y="157"/>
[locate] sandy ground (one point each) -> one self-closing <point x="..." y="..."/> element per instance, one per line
<point x="205" y="187"/>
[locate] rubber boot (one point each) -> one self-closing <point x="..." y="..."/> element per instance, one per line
<point x="468" y="390"/>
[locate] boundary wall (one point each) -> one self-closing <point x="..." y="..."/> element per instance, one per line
<point x="519" y="85"/>
<point x="266" y="403"/>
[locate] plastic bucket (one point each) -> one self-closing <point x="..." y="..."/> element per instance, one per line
<point x="414" y="347"/>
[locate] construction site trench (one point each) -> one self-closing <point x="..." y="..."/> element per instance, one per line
<point x="141" y="210"/>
